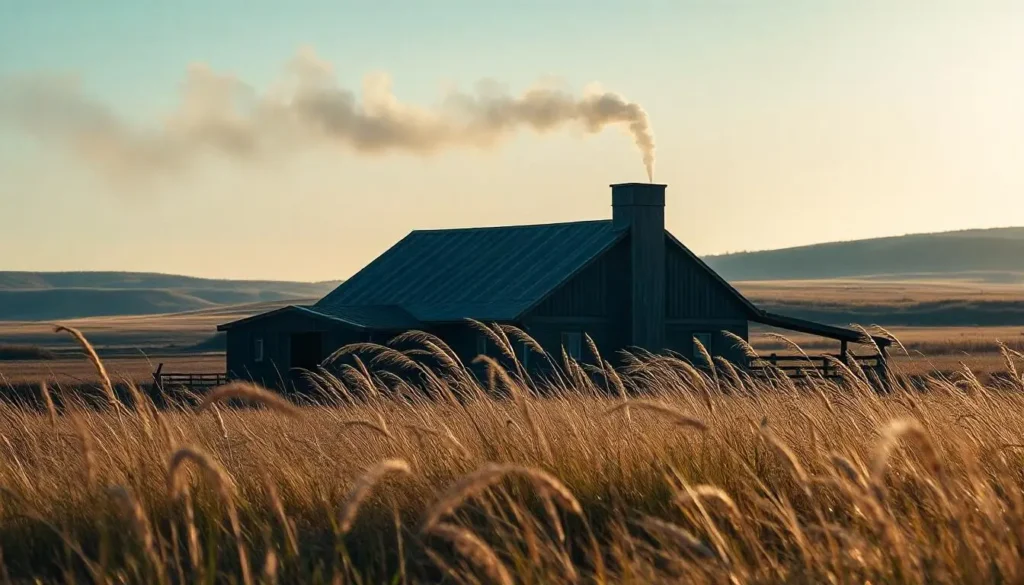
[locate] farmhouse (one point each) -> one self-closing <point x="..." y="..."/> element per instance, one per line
<point x="625" y="282"/>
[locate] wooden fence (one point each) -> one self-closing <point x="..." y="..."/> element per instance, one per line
<point x="170" y="380"/>
<point x="798" y="366"/>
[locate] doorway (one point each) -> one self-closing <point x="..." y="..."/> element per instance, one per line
<point x="306" y="350"/>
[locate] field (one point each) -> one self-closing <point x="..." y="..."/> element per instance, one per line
<point x="658" y="473"/>
<point x="133" y="345"/>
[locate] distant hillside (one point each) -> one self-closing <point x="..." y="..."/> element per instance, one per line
<point x="33" y="296"/>
<point x="991" y="255"/>
<point x="33" y="305"/>
<point x="147" y="280"/>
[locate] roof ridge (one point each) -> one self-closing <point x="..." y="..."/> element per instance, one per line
<point x="512" y="226"/>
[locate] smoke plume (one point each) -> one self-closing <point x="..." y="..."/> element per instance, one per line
<point x="221" y="115"/>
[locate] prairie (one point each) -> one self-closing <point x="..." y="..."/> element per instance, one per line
<point x="398" y="473"/>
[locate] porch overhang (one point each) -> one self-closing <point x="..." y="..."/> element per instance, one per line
<point x="819" y="329"/>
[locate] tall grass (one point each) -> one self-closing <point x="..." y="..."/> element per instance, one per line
<point x="657" y="473"/>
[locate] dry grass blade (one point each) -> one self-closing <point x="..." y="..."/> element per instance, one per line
<point x="51" y="410"/>
<point x="380" y="429"/>
<point x="476" y="551"/>
<point x="684" y="539"/>
<point x="446" y="436"/>
<point x="548" y="484"/>
<point x="709" y="493"/>
<point x="747" y="349"/>
<point x="364" y="485"/>
<point x="891" y="436"/>
<point x="282" y="517"/>
<point x="132" y="508"/>
<point x="479" y="481"/>
<point x="794" y="463"/>
<point x="252" y="393"/>
<point x="467" y="487"/>
<point x="88" y="447"/>
<point x="90" y="352"/>
<point x="214" y="472"/>
<point x="848" y="470"/>
<point x="669" y="412"/>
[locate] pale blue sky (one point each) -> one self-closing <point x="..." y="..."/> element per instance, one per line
<point x="775" y="124"/>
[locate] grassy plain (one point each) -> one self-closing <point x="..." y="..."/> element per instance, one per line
<point x="892" y="293"/>
<point x="659" y="474"/>
<point x="133" y="345"/>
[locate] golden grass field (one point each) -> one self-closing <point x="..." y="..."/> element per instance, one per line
<point x="659" y="473"/>
<point x="656" y="473"/>
<point x="852" y="292"/>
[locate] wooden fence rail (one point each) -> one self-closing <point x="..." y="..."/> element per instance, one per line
<point x="798" y="366"/>
<point x="167" y="380"/>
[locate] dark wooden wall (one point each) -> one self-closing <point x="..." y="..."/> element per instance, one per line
<point x="692" y="293"/>
<point x="595" y="302"/>
<point x="276" y="332"/>
<point x="696" y="302"/>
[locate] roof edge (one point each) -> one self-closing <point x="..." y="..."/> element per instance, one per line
<point x="718" y="277"/>
<point x="504" y="227"/>
<point x="820" y="329"/>
<point x="286" y="309"/>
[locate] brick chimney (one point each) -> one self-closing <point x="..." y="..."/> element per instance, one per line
<point x="640" y="208"/>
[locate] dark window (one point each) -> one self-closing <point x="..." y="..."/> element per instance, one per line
<point x="306" y="350"/>
<point x="705" y="340"/>
<point x="524" y="354"/>
<point x="481" y="344"/>
<point x="257" y="349"/>
<point x="571" y="342"/>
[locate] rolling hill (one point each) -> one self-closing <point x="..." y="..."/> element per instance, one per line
<point x="989" y="255"/>
<point x="29" y="296"/>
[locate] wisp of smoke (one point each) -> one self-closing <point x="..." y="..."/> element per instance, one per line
<point x="220" y="114"/>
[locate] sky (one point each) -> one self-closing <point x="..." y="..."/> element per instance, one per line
<point x="774" y="124"/>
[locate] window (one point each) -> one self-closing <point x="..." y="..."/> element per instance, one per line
<point x="705" y="339"/>
<point x="571" y="342"/>
<point x="257" y="349"/>
<point x="481" y="344"/>
<point x="524" y="354"/>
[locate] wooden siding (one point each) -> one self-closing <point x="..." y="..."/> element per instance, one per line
<point x="585" y="295"/>
<point x="274" y="371"/>
<point x="594" y="302"/>
<point x="679" y="338"/>
<point x="693" y="293"/>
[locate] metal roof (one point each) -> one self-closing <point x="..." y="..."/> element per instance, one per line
<point x="388" y="317"/>
<point x="488" y="274"/>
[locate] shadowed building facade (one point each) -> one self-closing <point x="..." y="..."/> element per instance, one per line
<point x="626" y="282"/>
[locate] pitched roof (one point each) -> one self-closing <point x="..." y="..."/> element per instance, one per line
<point x="369" y="317"/>
<point x="489" y="274"/>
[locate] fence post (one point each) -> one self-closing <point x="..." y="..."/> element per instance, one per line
<point x="157" y="381"/>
